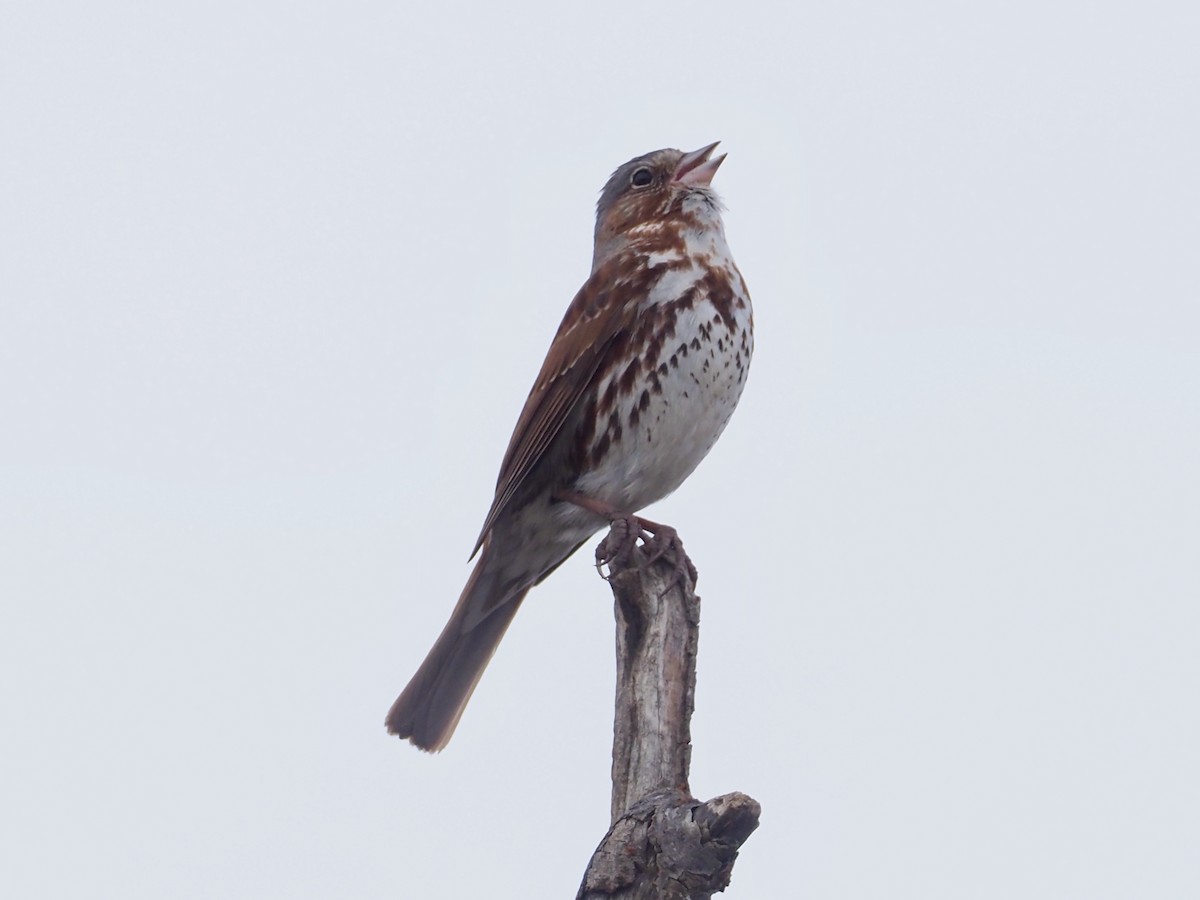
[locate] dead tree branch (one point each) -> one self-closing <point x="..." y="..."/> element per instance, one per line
<point x="663" y="844"/>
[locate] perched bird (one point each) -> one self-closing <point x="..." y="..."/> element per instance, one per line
<point x="640" y="381"/>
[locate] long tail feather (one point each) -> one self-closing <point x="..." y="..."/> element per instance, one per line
<point x="428" y="710"/>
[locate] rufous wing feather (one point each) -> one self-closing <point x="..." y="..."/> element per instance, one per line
<point x="594" y="319"/>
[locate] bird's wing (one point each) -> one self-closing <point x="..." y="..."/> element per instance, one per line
<point x="605" y="306"/>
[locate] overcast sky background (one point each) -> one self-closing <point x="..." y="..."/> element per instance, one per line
<point x="275" y="279"/>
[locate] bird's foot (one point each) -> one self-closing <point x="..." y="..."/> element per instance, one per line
<point x="664" y="543"/>
<point x="618" y="549"/>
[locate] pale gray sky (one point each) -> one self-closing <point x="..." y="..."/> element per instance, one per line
<point x="274" y="282"/>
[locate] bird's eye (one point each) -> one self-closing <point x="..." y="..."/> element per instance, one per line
<point x="641" y="177"/>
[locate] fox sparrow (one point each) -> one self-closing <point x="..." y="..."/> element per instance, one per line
<point x="643" y="374"/>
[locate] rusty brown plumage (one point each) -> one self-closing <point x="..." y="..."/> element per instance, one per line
<point x="640" y="379"/>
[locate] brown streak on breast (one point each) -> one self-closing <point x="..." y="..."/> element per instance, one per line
<point x="600" y="449"/>
<point x="718" y="286"/>
<point x="629" y="376"/>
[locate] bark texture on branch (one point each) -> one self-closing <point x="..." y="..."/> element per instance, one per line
<point x="663" y="844"/>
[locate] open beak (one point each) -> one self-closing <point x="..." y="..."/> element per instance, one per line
<point x="697" y="168"/>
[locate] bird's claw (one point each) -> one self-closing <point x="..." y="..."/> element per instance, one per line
<point x="666" y="544"/>
<point x="618" y="550"/>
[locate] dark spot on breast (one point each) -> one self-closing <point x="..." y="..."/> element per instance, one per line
<point x="629" y="376"/>
<point x="587" y="422"/>
<point x="600" y="449"/>
<point x="719" y="288"/>
<point x="609" y="400"/>
<point x="585" y="432"/>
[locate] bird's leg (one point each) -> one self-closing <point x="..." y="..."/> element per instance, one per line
<point x="625" y="530"/>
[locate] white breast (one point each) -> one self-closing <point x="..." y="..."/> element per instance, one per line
<point x="668" y="426"/>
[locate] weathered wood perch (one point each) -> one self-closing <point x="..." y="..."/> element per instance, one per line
<point x="663" y="844"/>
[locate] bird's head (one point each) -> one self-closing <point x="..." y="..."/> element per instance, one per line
<point x="653" y="192"/>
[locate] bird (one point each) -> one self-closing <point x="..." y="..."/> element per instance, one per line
<point x="640" y="380"/>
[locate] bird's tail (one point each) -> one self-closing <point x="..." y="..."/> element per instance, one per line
<point x="428" y="710"/>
